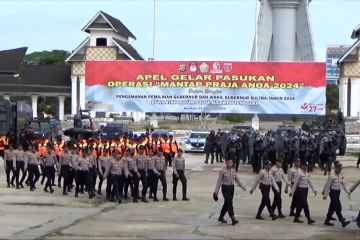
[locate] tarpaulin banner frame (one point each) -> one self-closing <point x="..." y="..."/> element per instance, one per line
<point x="206" y="86"/>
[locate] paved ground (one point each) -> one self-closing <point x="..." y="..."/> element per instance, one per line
<point x="26" y="215"/>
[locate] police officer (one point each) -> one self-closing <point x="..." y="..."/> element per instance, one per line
<point x="232" y="152"/>
<point x="291" y="179"/>
<point x="179" y="174"/>
<point x="258" y="151"/>
<point x="351" y="190"/>
<point x="91" y="177"/>
<point x="9" y="163"/>
<point x="160" y="174"/>
<point x="130" y="171"/>
<point x="141" y="164"/>
<point x="65" y="159"/>
<point x="115" y="168"/>
<point x="265" y="179"/>
<point x="20" y="165"/>
<point x="151" y="174"/>
<point x="82" y="168"/>
<point x="218" y="147"/>
<point x="301" y="185"/>
<point x="102" y="162"/>
<point x="279" y="177"/>
<point x="227" y="177"/>
<point x="33" y="161"/>
<point x="332" y="188"/>
<point x="49" y="160"/>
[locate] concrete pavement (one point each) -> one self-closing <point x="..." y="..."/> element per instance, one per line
<point x="26" y="214"/>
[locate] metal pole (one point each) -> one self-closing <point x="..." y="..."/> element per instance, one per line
<point x="154" y="29"/>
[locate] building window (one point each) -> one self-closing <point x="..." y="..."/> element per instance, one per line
<point x="101" y="42"/>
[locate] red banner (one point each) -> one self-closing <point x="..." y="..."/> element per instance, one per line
<point x="205" y="73"/>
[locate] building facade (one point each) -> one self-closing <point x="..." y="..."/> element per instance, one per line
<point x="108" y="39"/>
<point x="349" y="80"/>
<point x="34" y="83"/>
<point x="333" y="54"/>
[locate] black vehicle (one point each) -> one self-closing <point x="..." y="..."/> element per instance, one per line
<point x="112" y="131"/>
<point x="83" y="127"/>
<point x="13" y="118"/>
<point x="46" y="129"/>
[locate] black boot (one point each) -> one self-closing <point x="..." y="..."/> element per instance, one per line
<point x="328" y="223"/>
<point x="344" y="223"/>
<point x="259" y="217"/>
<point x="234" y="221"/>
<point x="280" y="214"/>
<point x="165" y="198"/>
<point x="221" y="219"/>
<point x="310" y="221"/>
<point x="297" y="220"/>
<point x="174" y="197"/>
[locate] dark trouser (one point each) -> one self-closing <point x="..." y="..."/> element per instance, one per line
<point x="65" y="172"/>
<point x="162" y="178"/>
<point x="117" y="182"/>
<point x="129" y="182"/>
<point x="135" y="181"/>
<point x="2" y="153"/>
<point x="151" y="181"/>
<point x="293" y="200"/>
<point x="90" y="180"/>
<point x="218" y="154"/>
<point x="228" y="193"/>
<point x="277" y="198"/>
<point x="49" y="172"/>
<point x="287" y="161"/>
<point x="257" y="162"/>
<point x="265" y="200"/>
<point x="20" y="166"/>
<point x="207" y="157"/>
<point x="109" y="184"/>
<point x="9" y="168"/>
<point x="358" y="162"/>
<point x="101" y="179"/>
<point x="81" y="178"/>
<point x="33" y="172"/>
<point x="272" y="157"/>
<point x="335" y="205"/>
<point x="144" y="182"/>
<point x="183" y="181"/>
<point x="303" y="158"/>
<point x="168" y="159"/>
<point x="237" y="162"/>
<point x="302" y="203"/>
<point x="72" y="177"/>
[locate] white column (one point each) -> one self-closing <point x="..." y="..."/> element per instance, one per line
<point x="61" y="107"/>
<point x="82" y="92"/>
<point x="343" y="95"/>
<point x="355" y="97"/>
<point x="6" y="97"/>
<point x="284" y="29"/>
<point x="73" y="95"/>
<point x="34" y="99"/>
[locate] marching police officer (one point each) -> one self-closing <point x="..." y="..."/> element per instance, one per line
<point x="160" y="171"/>
<point x="265" y="179"/>
<point x="49" y="160"/>
<point x="9" y="163"/>
<point x="332" y="188"/>
<point x="65" y="159"/>
<point x="179" y="174"/>
<point x="279" y="177"/>
<point x="141" y="164"/>
<point x="226" y="179"/>
<point x="291" y="179"/>
<point x="33" y="167"/>
<point x="115" y="168"/>
<point x="351" y="190"/>
<point x="301" y="185"/>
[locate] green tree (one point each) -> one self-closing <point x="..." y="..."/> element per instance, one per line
<point x="332" y="97"/>
<point x="54" y="57"/>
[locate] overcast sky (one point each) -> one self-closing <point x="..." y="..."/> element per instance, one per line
<point x="185" y="29"/>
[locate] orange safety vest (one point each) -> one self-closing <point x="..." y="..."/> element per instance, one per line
<point x="174" y="146"/>
<point x="166" y="146"/>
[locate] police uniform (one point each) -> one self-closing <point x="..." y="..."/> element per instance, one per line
<point x="102" y="162"/>
<point x="91" y="177"/>
<point x="65" y="159"/>
<point x="291" y="178"/>
<point x="227" y="177"/>
<point x="351" y="190"/>
<point x="33" y="168"/>
<point x="151" y="176"/>
<point x="20" y="165"/>
<point x="160" y="174"/>
<point x="9" y="157"/>
<point x="179" y="174"/>
<point x="301" y="185"/>
<point x="265" y="179"/>
<point x="333" y="188"/>
<point x="279" y="177"/>
<point x="82" y="169"/>
<point x="115" y="168"/>
<point x="49" y="160"/>
<point x="141" y="164"/>
<point x="131" y="172"/>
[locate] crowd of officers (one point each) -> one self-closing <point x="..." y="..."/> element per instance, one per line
<point x="251" y="147"/>
<point x="297" y="183"/>
<point x="123" y="164"/>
